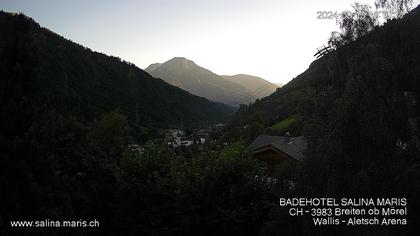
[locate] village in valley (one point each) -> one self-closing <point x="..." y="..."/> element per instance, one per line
<point x="178" y="139"/>
<point x="269" y="150"/>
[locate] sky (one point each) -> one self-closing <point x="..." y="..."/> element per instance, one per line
<point x="273" y="39"/>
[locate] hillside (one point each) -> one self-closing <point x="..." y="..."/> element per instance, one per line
<point x="358" y="108"/>
<point x="69" y="120"/>
<point x="260" y="87"/>
<point x="55" y="73"/>
<point x="197" y="80"/>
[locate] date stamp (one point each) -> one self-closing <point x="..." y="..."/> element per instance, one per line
<point x="333" y="15"/>
<point x="327" y="15"/>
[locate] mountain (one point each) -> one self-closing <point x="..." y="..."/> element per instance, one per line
<point x="197" y="80"/>
<point x="260" y="87"/>
<point x="53" y="73"/>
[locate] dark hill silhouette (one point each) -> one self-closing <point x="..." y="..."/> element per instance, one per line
<point x="358" y="107"/>
<point x="53" y="72"/>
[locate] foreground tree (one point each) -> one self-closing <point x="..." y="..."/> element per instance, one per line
<point x="394" y="8"/>
<point x="361" y="20"/>
<point x="353" y="25"/>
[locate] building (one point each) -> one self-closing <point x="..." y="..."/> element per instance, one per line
<point x="180" y="142"/>
<point x="176" y="138"/>
<point x="201" y="136"/>
<point x="272" y="150"/>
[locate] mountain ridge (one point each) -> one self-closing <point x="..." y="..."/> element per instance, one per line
<point x="260" y="87"/>
<point x="187" y="75"/>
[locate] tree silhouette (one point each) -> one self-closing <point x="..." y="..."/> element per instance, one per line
<point x="353" y="24"/>
<point x="394" y="8"/>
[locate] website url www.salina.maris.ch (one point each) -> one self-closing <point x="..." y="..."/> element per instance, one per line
<point x="54" y="223"/>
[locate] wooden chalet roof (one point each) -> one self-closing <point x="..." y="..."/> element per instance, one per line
<point x="294" y="147"/>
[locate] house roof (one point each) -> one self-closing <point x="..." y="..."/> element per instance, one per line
<point x="294" y="147"/>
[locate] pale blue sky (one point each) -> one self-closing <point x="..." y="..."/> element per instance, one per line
<point x="269" y="38"/>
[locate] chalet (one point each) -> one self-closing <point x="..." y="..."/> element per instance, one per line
<point x="272" y="150"/>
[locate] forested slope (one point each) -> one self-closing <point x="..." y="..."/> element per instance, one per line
<point x="51" y="71"/>
<point x="67" y="118"/>
<point x="358" y="107"/>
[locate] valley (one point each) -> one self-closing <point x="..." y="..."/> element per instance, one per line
<point x="176" y="149"/>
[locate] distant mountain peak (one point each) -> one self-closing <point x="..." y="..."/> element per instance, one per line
<point x="181" y="62"/>
<point x="179" y="59"/>
<point x="186" y="74"/>
<point x="178" y="62"/>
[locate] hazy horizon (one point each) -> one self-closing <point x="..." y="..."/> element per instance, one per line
<point x="270" y="39"/>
